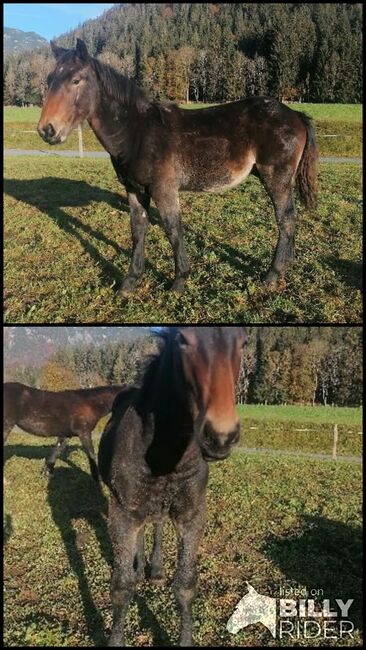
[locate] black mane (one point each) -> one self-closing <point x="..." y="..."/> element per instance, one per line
<point x="120" y="87"/>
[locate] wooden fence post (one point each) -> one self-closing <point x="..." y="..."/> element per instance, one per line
<point x="335" y="441"/>
<point x="80" y="134"/>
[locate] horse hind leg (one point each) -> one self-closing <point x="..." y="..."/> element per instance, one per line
<point x="55" y="454"/>
<point x="278" y="183"/>
<point x="87" y="445"/>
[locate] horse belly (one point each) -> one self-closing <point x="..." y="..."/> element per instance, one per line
<point x="217" y="174"/>
<point x="39" y="425"/>
<point x="235" y="176"/>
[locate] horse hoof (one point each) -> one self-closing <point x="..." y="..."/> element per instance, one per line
<point x="47" y="471"/>
<point x="271" y="279"/>
<point x="140" y="576"/>
<point x="178" y="286"/>
<point x="157" y="578"/>
<point x="128" y="286"/>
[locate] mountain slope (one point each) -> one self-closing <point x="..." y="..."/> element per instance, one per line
<point x="15" y="41"/>
<point x="33" y="345"/>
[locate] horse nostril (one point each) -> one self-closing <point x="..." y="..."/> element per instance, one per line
<point x="49" y="131"/>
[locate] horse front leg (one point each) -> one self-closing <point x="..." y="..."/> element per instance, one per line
<point x="139" y="205"/>
<point x="156" y="570"/>
<point x="140" y="556"/>
<point x="124" y="534"/>
<point x="189" y="531"/>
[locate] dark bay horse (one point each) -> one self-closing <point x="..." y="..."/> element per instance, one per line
<point x="158" y="149"/>
<point x="63" y="414"/>
<point x="154" y="454"/>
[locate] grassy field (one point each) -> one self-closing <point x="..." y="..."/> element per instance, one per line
<point x="302" y="414"/>
<point x="275" y="522"/>
<point x="344" y="121"/>
<point x="305" y="428"/>
<point x="67" y="247"/>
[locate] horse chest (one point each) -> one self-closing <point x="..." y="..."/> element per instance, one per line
<point x="156" y="498"/>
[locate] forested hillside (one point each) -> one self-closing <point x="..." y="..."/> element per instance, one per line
<point x="293" y="365"/>
<point x="216" y="52"/>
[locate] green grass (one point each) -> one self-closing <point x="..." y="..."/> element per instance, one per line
<point x="304" y="428"/>
<point x="333" y="112"/>
<point x="341" y="120"/>
<point x="275" y="522"/>
<point x="302" y="414"/>
<point x="27" y="115"/>
<point x="67" y="248"/>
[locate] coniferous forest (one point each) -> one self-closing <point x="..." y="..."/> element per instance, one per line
<point x="281" y="365"/>
<point x="212" y="52"/>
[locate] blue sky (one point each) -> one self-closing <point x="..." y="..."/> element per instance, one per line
<point x="52" y="19"/>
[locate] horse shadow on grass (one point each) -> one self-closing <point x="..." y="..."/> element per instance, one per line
<point x="36" y="452"/>
<point x="53" y="196"/>
<point x="324" y="555"/>
<point x="73" y="496"/>
<point x="247" y="265"/>
<point x="348" y="271"/>
<point x="82" y="499"/>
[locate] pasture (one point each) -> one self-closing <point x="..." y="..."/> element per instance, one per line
<point x="276" y="522"/>
<point x="306" y="428"/>
<point x="68" y="242"/>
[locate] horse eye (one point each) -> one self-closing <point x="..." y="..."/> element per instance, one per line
<point x="75" y="81"/>
<point x="181" y="340"/>
<point x="243" y="344"/>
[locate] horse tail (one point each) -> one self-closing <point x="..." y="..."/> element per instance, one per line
<point x="306" y="174"/>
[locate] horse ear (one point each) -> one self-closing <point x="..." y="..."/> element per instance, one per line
<point x="251" y="589"/>
<point x="57" y="51"/>
<point x="81" y="50"/>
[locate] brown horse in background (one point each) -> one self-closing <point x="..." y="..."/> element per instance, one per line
<point x="63" y="414"/>
<point x="158" y="149"/>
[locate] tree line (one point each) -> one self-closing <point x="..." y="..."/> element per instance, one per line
<point x="214" y="52"/>
<point x="281" y="365"/>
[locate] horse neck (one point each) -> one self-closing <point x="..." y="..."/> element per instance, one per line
<point x="112" y="123"/>
<point x="103" y="399"/>
<point x="167" y="399"/>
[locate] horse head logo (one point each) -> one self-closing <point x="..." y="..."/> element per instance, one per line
<point x="253" y="608"/>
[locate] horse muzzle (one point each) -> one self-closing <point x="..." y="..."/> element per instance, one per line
<point x="217" y="445"/>
<point x="49" y="135"/>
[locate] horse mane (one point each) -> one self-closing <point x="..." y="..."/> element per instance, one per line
<point x="148" y="380"/>
<point x="120" y="87"/>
